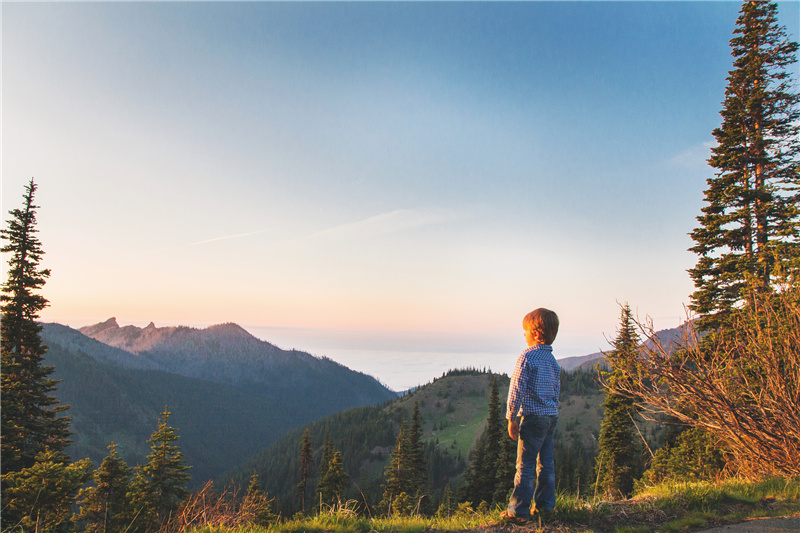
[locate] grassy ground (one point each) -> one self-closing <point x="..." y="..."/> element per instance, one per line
<point x="668" y="508"/>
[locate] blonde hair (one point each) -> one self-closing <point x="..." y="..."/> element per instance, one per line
<point x="542" y="321"/>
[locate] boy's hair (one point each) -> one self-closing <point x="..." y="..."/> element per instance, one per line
<point x="543" y="321"/>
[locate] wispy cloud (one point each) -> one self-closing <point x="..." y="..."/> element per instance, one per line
<point x="694" y="157"/>
<point x="228" y="237"/>
<point x="391" y="222"/>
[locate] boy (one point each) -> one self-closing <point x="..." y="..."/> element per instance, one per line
<point x="533" y="395"/>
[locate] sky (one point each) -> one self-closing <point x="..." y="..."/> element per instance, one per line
<point x="358" y="178"/>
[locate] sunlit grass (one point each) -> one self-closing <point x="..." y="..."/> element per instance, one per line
<point x="668" y="507"/>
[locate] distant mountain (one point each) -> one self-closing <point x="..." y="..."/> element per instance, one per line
<point x="669" y="339"/>
<point x="230" y="394"/>
<point x="571" y="363"/>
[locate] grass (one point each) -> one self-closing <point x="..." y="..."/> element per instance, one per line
<point x="668" y="508"/>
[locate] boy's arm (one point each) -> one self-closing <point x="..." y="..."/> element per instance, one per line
<point x="514" y="399"/>
<point x="513" y="429"/>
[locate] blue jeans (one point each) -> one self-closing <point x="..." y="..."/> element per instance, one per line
<point x="534" y="451"/>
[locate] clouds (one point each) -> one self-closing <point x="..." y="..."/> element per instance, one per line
<point x="390" y="222"/>
<point x="695" y="157"/>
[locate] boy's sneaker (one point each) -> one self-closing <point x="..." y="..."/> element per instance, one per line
<point x="507" y="518"/>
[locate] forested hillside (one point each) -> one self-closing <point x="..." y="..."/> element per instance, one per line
<point x="453" y="410"/>
<point x="117" y="395"/>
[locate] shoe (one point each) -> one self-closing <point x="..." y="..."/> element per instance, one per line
<point x="508" y="518"/>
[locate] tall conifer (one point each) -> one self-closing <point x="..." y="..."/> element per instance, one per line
<point x="306" y="463"/>
<point x="418" y="474"/>
<point x="618" y="461"/>
<point x="751" y="221"/>
<point x="106" y="506"/>
<point x="396" y="472"/>
<point x="334" y="482"/>
<point x="160" y="485"/>
<point x="31" y="417"/>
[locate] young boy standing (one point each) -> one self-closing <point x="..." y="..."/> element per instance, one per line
<point x="533" y="396"/>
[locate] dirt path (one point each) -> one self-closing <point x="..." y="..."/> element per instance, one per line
<point x="760" y="525"/>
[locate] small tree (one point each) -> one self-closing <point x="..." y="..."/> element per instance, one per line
<point x="619" y="461"/>
<point x="160" y="485"/>
<point x="257" y="506"/>
<point x="40" y="497"/>
<point x="397" y="471"/>
<point x="417" y="473"/>
<point x="107" y="506"/>
<point x="306" y="463"/>
<point x="484" y="482"/>
<point x="334" y="482"/>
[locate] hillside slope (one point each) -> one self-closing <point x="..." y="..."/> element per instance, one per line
<point x="454" y="409"/>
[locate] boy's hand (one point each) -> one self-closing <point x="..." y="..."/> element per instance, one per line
<point x="513" y="429"/>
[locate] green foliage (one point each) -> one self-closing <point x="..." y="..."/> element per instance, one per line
<point x="257" y="505"/>
<point x="406" y="478"/>
<point x="31" y="421"/>
<point x="306" y="464"/>
<point x="751" y="221"/>
<point x="40" y="497"/>
<point x="619" y="458"/>
<point x="488" y="478"/>
<point x="695" y="456"/>
<point x="159" y="486"/>
<point x="334" y="480"/>
<point x="106" y="506"/>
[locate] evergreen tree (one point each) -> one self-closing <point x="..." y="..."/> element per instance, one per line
<point x="618" y="460"/>
<point x="506" y="469"/>
<point x="31" y="421"/>
<point x="107" y="506"/>
<point x="334" y="482"/>
<point x="483" y="477"/>
<point x="160" y="485"/>
<point x="418" y="474"/>
<point x="750" y="226"/>
<point x="396" y="477"/>
<point x="257" y="505"/>
<point x="40" y="497"/>
<point x="306" y="463"/>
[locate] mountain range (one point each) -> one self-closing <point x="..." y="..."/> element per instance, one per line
<point x="229" y="393"/>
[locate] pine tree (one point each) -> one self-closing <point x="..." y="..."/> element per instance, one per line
<point x="306" y="463"/>
<point x="257" y="505"/>
<point x="418" y="474"/>
<point x="506" y="469"/>
<point x="327" y="455"/>
<point x="160" y="485"/>
<point x="483" y="478"/>
<point x="750" y="227"/>
<point x="32" y="422"/>
<point x="618" y="459"/>
<point x="40" y="497"/>
<point x="334" y="482"/>
<point x="106" y="506"/>
<point x="395" y="472"/>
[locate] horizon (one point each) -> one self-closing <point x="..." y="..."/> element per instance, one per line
<point x="381" y="355"/>
<point x="396" y="177"/>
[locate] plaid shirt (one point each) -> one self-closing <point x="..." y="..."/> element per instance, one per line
<point x="535" y="383"/>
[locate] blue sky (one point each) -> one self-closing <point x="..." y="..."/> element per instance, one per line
<point x="428" y="172"/>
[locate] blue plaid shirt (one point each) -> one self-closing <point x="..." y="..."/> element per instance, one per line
<point x="535" y="383"/>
